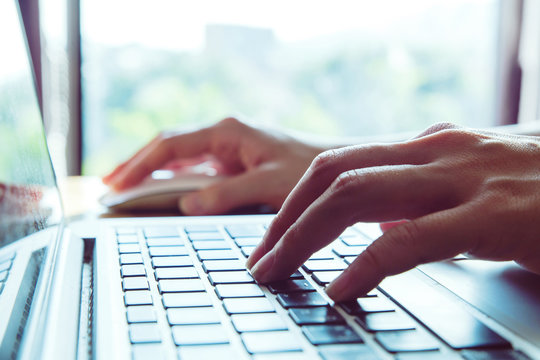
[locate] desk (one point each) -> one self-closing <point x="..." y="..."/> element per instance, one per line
<point x="80" y="197"/>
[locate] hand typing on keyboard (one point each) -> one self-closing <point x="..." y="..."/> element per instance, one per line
<point x="462" y="191"/>
<point x="266" y="165"/>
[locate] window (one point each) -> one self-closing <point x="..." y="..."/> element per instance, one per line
<point x="332" y="68"/>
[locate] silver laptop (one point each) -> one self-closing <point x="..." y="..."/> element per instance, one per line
<point x="167" y="288"/>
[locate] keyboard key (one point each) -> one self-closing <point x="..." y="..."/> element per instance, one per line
<point x="206" y="236"/>
<point x="2" y="287"/>
<point x="248" y="305"/>
<point x="368" y="305"/>
<point x="128" y="248"/>
<point x="167" y="251"/>
<point x="385" y="321"/>
<point x="349" y="232"/>
<point x="127" y="239"/>
<point x="187" y="272"/>
<point x="126" y="259"/>
<point x="342" y="249"/>
<point x="132" y="270"/>
<point x="180" y="285"/>
<point x="258" y="322"/>
<point x="194" y="352"/>
<point x="217" y="255"/>
<point x="138" y="297"/>
<point x="349" y="259"/>
<point x="211" y="245"/>
<point x="447" y="319"/>
<point x="173" y="241"/>
<point x="6" y="265"/>
<point x="296" y="275"/>
<point x="357" y="240"/>
<point x="324" y="265"/>
<point x="135" y="283"/>
<point x="181" y="300"/>
<point x="238" y="290"/>
<point x="370" y="230"/>
<point x="140" y="314"/>
<point x="323" y="254"/>
<point x="171" y="261"/>
<point x="496" y="354"/>
<point x="3" y="275"/>
<point x="316" y="316"/>
<point x="144" y="333"/>
<point x="193" y="316"/>
<point x="125" y="230"/>
<point x="199" y="334"/>
<point x="229" y="277"/>
<point x="245" y="230"/>
<point x="160" y="231"/>
<point x="304" y="299"/>
<point x="431" y="355"/>
<point x="269" y="342"/>
<point x="290" y="286"/>
<point x="347" y="352"/>
<point x="200" y="228"/>
<point x="148" y="351"/>
<point x="254" y="241"/>
<point x="411" y="340"/>
<point x="223" y="265"/>
<point x="331" y="334"/>
<point x="325" y="277"/>
<point x="247" y="250"/>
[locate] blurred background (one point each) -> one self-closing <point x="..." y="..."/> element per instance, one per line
<point x="114" y="73"/>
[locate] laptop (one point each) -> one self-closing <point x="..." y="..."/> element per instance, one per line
<point x="176" y="287"/>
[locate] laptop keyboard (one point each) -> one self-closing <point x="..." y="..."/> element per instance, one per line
<point x="212" y="304"/>
<point x="5" y="266"/>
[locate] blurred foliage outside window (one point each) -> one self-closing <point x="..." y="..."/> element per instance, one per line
<point x="342" y="68"/>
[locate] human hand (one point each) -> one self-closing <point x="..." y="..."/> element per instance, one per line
<point x="265" y="165"/>
<point x="462" y="191"/>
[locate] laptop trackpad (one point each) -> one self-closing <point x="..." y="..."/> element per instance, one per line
<point x="501" y="290"/>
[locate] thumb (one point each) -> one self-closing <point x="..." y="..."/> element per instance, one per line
<point x="231" y="193"/>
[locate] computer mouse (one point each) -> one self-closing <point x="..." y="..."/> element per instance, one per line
<point x="161" y="190"/>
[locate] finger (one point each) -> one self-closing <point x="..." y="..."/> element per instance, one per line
<point x="108" y="178"/>
<point x="158" y="152"/>
<point x="322" y="172"/>
<point x="385" y="226"/>
<point x="249" y="188"/>
<point x="369" y="195"/>
<point x="433" y="237"/>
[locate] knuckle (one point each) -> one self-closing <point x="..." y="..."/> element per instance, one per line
<point x="372" y="259"/>
<point x="230" y="122"/>
<point x="164" y="141"/>
<point x="161" y="137"/>
<point x="407" y="237"/>
<point x="348" y="181"/>
<point x="440" y="127"/>
<point x="405" y="234"/>
<point x="324" y="161"/>
<point x="457" y="137"/>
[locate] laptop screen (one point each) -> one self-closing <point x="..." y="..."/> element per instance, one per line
<point x="29" y="201"/>
<point x="30" y="204"/>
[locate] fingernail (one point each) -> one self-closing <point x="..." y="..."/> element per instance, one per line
<point x="255" y="255"/>
<point x="249" y="261"/>
<point x="336" y="288"/>
<point x="261" y="270"/>
<point x="191" y="204"/>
